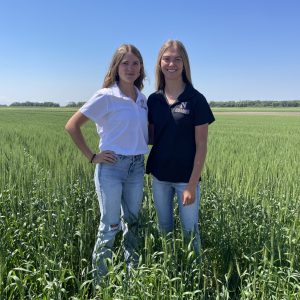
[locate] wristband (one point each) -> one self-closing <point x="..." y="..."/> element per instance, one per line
<point x="91" y="161"/>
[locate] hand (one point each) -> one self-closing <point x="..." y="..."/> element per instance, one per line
<point x="188" y="196"/>
<point x="107" y="157"/>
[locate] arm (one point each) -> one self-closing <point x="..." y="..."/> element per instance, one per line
<point x="73" y="127"/>
<point x="201" y="133"/>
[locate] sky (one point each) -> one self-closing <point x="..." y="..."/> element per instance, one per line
<point x="60" y="50"/>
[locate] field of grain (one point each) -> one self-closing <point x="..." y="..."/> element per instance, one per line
<point x="250" y="215"/>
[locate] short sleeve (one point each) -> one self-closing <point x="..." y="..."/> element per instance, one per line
<point x="96" y="107"/>
<point x="202" y="112"/>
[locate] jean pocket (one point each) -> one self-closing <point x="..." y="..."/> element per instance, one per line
<point x="120" y="157"/>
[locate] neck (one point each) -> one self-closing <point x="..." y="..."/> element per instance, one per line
<point x="128" y="90"/>
<point x="173" y="89"/>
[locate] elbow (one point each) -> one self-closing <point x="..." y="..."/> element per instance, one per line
<point x="67" y="127"/>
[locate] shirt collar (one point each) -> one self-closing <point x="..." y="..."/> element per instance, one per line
<point x="117" y="92"/>
<point x="182" y="97"/>
<point x="186" y="93"/>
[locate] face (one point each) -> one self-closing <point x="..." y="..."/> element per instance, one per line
<point x="171" y="63"/>
<point x="129" y="68"/>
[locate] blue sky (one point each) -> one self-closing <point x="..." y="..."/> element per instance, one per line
<point x="60" y="50"/>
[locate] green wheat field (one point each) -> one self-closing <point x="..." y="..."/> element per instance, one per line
<point x="249" y="219"/>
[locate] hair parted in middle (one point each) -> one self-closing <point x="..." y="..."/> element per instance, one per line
<point x="112" y="74"/>
<point x="186" y="72"/>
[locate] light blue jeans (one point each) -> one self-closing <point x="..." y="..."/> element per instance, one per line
<point x="163" y="194"/>
<point x="119" y="188"/>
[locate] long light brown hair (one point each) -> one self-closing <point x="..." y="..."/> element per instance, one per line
<point x="186" y="72"/>
<point x="112" y="75"/>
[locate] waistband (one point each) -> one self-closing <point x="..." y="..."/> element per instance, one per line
<point x="134" y="157"/>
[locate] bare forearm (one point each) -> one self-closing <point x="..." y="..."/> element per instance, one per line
<point x="201" y="133"/>
<point x="198" y="165"/>
<point x="73" y="127"/>
<point x="80" y="142"/>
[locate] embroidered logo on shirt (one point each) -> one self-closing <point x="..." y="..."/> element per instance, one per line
<point x="182" y="108"/>
<point x="143" y="104"/>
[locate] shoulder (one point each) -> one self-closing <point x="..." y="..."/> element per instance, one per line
<point x="198" y="101"/>
<point x="201" y="109"/>
<point x="109" y="91"/>
<point x="195" y="95"/>
<point x="104" y="93"/>
<point x="98" y="99"/>
<point x="154" y="96"/>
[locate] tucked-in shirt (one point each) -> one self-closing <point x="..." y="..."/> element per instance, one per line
<point x="121" y="123"/>
<point x="172" y="155"/>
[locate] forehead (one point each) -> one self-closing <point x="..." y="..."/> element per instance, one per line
<point x="130" y="56"/>
<point x="171" y="51"/>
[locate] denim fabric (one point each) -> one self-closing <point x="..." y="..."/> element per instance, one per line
<point x="163" y="194"/>
<point x="119" y="188"/>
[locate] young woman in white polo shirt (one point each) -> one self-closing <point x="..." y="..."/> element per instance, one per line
<point x="178" y="120"/>
<point x="119" y="110"/>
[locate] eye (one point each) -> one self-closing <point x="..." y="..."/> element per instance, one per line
<point x="125" y="63"/>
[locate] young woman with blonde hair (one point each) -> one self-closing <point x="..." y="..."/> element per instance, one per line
<point x="178" y="124"/>
<point x="119" y="111"/>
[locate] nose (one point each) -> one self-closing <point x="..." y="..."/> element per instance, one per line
<point x="129" y="67"/>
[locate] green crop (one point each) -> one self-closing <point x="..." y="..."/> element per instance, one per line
<point x="249" y="218"/>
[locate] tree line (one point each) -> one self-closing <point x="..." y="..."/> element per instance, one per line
<point x="256" y="103"/>
<point x="45" y="104"/>
<point x="244" y="103"/>
<point x="39" y="104"/>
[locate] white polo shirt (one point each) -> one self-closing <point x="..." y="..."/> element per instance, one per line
<point x="121" y="123"/>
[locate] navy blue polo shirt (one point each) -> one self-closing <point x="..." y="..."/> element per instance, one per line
<point x="172" y="155"/>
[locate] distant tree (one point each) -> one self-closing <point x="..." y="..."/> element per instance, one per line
<point x="38" y="104"/>
<point x="256" y="103"/>
<point x="75" y="104"/>
<point x="71" y="104"/>
<point x="50" y="104"/>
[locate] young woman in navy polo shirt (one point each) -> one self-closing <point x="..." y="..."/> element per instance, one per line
<point x="119" y="110"/>
<point x="178" y="124"/>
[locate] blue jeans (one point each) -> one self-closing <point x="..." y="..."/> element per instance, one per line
<point x="119" y="188"/>
<point x="163" y="194"/>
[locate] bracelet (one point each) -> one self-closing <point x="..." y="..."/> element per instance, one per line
<point x="91" y="161"/>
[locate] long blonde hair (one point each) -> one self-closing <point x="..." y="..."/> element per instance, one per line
<point x="186" y="72"/>
<point x="112" y="73"/>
